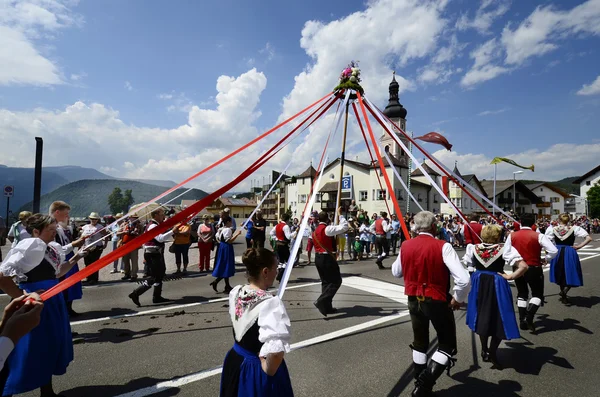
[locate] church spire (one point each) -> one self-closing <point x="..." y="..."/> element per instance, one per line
<point x="394" y="110"/>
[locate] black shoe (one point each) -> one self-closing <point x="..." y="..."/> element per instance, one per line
<point x="125" y="278"/>
<point x="426" y="380"/>
<point x="321" y="308"/>
<point x="133" y="279"/>
<point x="214" y="286"/>
<point x="135" y="298"/>
<point x="485" y="356"/>
<point x="333" y="310"/>
<point x="160" y="299"/>
<point x="496" y="364"/>
<point x="73" y="313"/>
<point x="227" y="290"/>
<point x="379" y="264"/>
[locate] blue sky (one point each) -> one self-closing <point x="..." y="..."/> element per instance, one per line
<point x="138" y="79"/>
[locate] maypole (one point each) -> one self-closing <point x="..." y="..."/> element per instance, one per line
<point x="342" y="158"/>
<point x="409" y="176"/>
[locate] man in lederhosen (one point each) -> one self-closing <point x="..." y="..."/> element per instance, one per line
<point x="427" y="264"/>
<point x="325" y="260"/>
<point x="529" y="244"/>
<point x="154" y="256"/>
<point x="282" y="234"/>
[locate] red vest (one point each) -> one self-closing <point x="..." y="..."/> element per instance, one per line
<point x="379" y="227"/>
<point x="279" y="233"/>
<point x="425" y="273"/>
<point x="153" y="242"/>
<point x="526" y="242"/>
<point x="471" y="238"/>
<point x="323" y="242"/>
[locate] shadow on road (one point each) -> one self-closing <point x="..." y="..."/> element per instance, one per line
<point x="116" y="390"/>
<point x="584" y="301"/>
<point x="115" y="311"/>
<point x="529" y="360"/>
<point x="548" y="324"/>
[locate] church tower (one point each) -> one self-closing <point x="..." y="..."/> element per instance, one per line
<point x="397" y="113"/>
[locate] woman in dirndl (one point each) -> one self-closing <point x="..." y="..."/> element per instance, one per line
<point x="565" y="268"/>
<point x="36" y="264"/>
<point x="225" y="259"/>
<point x="254" y="367"/>
<point x="490" y="311"/>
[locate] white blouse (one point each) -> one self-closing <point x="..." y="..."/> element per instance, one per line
<point x="224" y="232"/>
<point x="27" y="255"/>
<point x="510" y="256"/>
<point x="273" y="321"/>
<point x="577" y="230"/>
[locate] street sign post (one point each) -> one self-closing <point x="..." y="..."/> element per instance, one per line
<point x="347" y="183"/>
<point x="9" y="191"/>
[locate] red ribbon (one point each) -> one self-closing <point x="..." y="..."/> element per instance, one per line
<point x="382" y="167"/>
<point x="186" y="213"/>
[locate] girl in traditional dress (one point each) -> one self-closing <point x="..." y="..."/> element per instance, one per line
<point x="225" y="262"/>
<point x="490" y="312"/>
<point x="254" y="366"/>
<point x="36" y="264"/>
<point x="565" y="268"/>
<point x="205" y="243"/>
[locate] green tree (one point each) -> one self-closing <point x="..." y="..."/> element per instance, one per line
<point x="115" y="200"/>
<point x="128" y="200"/>
<point x="289" y="212"/>
<point x="593" y="196"/>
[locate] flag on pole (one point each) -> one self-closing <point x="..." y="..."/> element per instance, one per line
<point x="437" y="138"/>
<point x="497" y="160"/>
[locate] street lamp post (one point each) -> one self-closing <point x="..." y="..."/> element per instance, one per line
<point x="515" y="190"/>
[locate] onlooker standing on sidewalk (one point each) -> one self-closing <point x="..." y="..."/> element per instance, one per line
<point x="18" y="230"/>
<point x="206" y="233"/>
<point x="259" y="230"/>
<point x="114" y="231"/>
<point x="181" y="244"/>
<point x="95" y="242"/>
<point x="128" y="231"/>
<point x="394" y="233"/>
<point x="249" y="226"/>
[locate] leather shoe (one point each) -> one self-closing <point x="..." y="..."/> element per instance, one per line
<point x="321" y="308"/>
<point x="135" y="298"/>
<point x="160" y="299"/>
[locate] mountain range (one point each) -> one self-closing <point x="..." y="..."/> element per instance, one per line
<point x="52" y="178"/>
<point x="91" y="195"/>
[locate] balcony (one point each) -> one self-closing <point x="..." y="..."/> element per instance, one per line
<point x="328" y="205"/>
<point x="545" y="204"/>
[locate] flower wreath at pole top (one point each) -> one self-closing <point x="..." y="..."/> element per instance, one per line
<point x="350" y="78"/>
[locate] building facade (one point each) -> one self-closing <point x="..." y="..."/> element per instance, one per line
<point x="460" y="199"/>
<point x="511" y="195"/>
<point x="587" y="181"/>
<point x="552" y="200"/>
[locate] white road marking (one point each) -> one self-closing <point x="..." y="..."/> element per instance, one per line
<point x="195" y="377"/>
<point x="391" y="291"/>
<point x="168" y="308"/>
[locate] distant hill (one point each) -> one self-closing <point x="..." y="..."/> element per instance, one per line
<point x="91" y="195"/>
<point x="157" y="182"/>
<point x="74" y="173"/>
<point x="565" y="184"/>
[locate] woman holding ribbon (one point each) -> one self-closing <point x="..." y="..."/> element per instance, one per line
<point x="565" y="268"/>
<point x="36" y="264"/>
<point x="254" y="366"/>
<point x="490" y="312"/>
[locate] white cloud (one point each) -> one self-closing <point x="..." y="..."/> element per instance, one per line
<point x="491" y="112"/>
<point x="483" y="68"/>
<point x="165" y="96"/>
<point x="590" y="89"/>
<point x="128" y="86"/>
<point x="22" y="23"/>
<point x="78" y="76"/>
<point x="151" y="153"/>
<point x="550" y="163"/>
<point x="268" y="51"/>
<point x="486" y="14"/>
<point x="108" y="170"/>
<point x="546" y="26"/>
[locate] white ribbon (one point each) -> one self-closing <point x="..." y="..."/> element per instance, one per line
<point x="303" y="225"/>
<point x="400" y="179"/>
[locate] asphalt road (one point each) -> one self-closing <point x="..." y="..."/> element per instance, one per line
<point x="177" y="349"/>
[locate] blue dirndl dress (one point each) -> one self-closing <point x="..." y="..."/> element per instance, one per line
<point x="225" y="262"/>
<point x="48" y="349"/>
<point x="242" y="374"/>
<point x="565" y="267"/>
<point x="490" y="310"/>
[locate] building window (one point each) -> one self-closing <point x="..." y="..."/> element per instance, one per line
<point x="509" y="195"/>
<point x="588" y="183"/>
<point x="302" y="198"/>
<point x="555" y="212"/>
<point x="555" y="199"/>
<point x="541" y="189"/>
<point x="318" y="198"/>
<point x="303" y="181"/>
<point x="436" y="198"/>
<point x="399" y="196"/>
<point x="236" y="216"/>
<point x="381" y="194"/>
<point x="419" y="198"/>
<point x="363" y="195"/>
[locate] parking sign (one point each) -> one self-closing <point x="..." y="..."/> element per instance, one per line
<point x="9" y="191"/>
<point x="347" y="183"/>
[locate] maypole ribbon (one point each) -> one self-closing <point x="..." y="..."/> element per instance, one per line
<point x="290" y="163"/>
<point x="430" y="157"/>
<point x="420" y="166"/>
<point x="225" y="158"/>
<point x="168" y="224"/>
<point x="306" y="214"/>
<point x="370" y="153"/>
<point x="382" y="167"/>
<point x="385" y="153"/>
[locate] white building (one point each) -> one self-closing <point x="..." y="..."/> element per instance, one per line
<point x="511" y="195"/>
<point x="552" y="200"/>
<point x="587" y="181"/>
<point x="460" y="199"/>
<point x="576" y="205"/>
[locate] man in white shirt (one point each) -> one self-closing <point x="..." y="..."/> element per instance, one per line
<point x="427" y="264"/>
<point x="18" y="230"/>
<point x="95" y="233"/>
